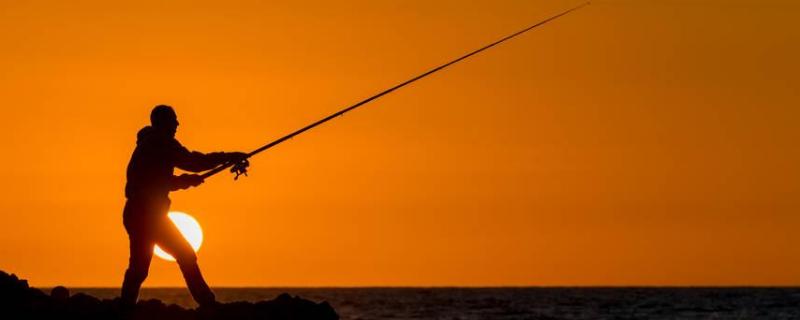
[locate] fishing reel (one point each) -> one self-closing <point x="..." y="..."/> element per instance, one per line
<point x="240" y="168"/>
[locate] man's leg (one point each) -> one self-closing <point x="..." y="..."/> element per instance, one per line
<point x="171" y="240"/>
<point x="141" y="253"/>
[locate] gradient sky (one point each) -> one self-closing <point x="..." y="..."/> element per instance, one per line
<point x="628" y="143"/>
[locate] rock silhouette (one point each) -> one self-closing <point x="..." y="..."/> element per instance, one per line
<point x="19" y="301"/>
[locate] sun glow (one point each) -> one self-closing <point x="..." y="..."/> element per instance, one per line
<point x="189" y="228"/>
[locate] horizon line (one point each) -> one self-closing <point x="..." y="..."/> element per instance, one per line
<point x="689" y="286"/>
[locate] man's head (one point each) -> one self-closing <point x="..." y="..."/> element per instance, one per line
<point x="163" y="118"/>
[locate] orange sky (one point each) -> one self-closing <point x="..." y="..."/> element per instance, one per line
<point x="628" y="143"/>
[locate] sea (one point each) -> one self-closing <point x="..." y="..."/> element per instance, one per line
<point x="519" y="302"/>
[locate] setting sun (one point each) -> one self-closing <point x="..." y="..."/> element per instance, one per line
<point x="189" y="228"/>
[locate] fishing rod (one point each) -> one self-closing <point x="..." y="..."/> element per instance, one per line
<point x="239" y="166"/>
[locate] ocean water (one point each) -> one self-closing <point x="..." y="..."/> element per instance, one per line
<point x="519" y="303"/>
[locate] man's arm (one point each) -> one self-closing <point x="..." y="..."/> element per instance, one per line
<point x="184" y="181"/>
<point x="197" y="161"/>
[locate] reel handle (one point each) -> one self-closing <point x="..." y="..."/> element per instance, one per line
<point x="240" y="168"/>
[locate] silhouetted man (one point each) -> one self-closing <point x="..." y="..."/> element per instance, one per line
<point x="150" y="179"/>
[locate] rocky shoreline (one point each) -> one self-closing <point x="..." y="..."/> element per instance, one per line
<point x="20" y="301"/>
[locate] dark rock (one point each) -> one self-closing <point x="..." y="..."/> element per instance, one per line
<point x="19" y="301"/>
<point x="59" y="293"/>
